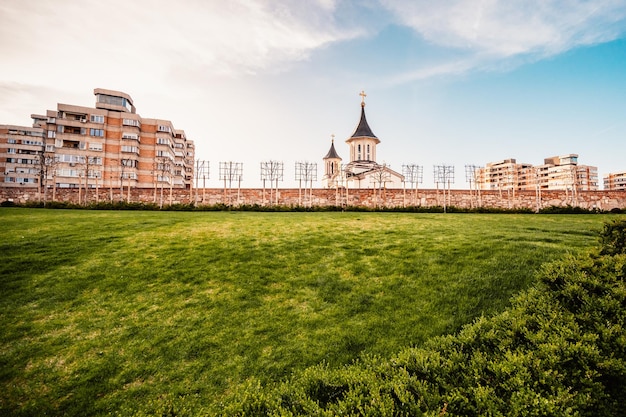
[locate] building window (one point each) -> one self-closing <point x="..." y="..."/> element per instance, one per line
<point x="163" y="128"/>
<point x="96" y="132"/>
<point x="129" y="175"/>
<point x="131" y="122"/>
<point x="114" y="100"/>
<point x="133" y="149"/>
<point x="72" y="159"/>
<point x="133" y="136"/>
<point x="96" y="118"/>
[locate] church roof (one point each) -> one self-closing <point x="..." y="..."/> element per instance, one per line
<point x="332" y="153"/>
<point x="363" y="129"/>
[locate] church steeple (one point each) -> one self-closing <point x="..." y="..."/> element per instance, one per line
<point x="332" y="166"/>
<point x="363" y="129"/>
<point x="363" y="141"/>
<point x="332" y="153"/>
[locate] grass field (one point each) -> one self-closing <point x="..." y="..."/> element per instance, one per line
<point x="101" y="310"/>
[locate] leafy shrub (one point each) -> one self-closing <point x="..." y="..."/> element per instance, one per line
<point x="613" y="238"/>
<point x="567" y="210"/>
<point x="559" y="350"/>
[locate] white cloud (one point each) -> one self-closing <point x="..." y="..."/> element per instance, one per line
<point x="223" y="37"/>
<point x="505" y="28"/>
<point x="492" y="31"/>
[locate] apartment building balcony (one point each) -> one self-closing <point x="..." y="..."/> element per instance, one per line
<point x="70" y="117"/>
<point x="132" y="123"/>
<point x="131" y="136"/>
<point x="69" y="143"/>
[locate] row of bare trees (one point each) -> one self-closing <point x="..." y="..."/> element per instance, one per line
<point x="91" y="178"/>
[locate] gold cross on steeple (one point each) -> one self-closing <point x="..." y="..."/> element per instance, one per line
<point x="363" y="95"/>
<point x="332" y="138"/>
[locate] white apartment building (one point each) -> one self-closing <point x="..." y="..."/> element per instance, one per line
<point x="556" y="173"/>
<point x="615" y="181"/>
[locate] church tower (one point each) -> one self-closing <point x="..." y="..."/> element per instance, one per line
<point x="362" y="144"/>
<point x="362" y="171"/>
<point x="332" y="167"/>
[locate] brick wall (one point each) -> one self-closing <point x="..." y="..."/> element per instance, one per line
<point x="604" y="200"/>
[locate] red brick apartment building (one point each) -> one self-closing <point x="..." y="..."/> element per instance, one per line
<point x="106" y="146"/>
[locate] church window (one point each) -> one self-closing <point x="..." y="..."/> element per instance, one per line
<point x="358" y="152"/>
<point x="368" y="153"/>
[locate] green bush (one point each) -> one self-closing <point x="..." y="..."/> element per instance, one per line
<point x="560" y="350"/>
<point x="613" y="238"/>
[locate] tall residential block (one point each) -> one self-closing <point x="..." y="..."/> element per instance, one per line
<point x="20" y="150"/>
<point x="615" y="181"/>
<point x="107" y="146"/>
<point x="556" y="173"/>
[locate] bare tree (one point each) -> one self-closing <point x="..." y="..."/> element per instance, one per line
<point x="202" y="171"/>
<point x="471" y="173"/>
<point x="444" y="174"/>
<point x="271" y="171"/>
<point x="47" y="166"/>
<point x="229" y="172"/>
<point x="381" y="177"/>
<point x="164" y="169"/>
<point x="413" y="174"/>
<point x="306" y="172"/>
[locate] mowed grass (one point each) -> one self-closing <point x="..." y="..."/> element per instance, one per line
<point x="104" y="311"/>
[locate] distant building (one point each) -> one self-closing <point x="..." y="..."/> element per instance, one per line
<point x="105" y="146"/>
<point x="20" y="155"/>
<point x="504" y="175"/>
<point x="362" y="171"/>
<point x="556" y="173"/>
<point x="615" y="181"/>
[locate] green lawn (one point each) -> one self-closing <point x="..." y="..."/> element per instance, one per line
<point x="103" y="311"/>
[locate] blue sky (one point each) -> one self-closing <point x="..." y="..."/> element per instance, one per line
<point x="456" y="82"/>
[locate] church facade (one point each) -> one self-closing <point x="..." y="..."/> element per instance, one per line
<point x="362" y="170"/>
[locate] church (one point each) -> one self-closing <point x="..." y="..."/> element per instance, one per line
<point x="362" y="171"/>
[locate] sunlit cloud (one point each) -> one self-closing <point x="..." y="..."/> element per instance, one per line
<point x="222" y="37"/>
<point x="493" y="31"/>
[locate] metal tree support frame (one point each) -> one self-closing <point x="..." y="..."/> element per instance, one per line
<point x="162" y="170"/>
<point x="202" y="171"/>
<point x="306" y="172"/>
<point x="444" y="174"/>
<point x="471" y="172"/>
<point x="272" y="171"/>
<point x="229" y="172"/>
<point x="413" y="174"/>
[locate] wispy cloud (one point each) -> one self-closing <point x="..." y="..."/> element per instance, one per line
<point x="493" y="31"/>
<point x="222" y="37"/>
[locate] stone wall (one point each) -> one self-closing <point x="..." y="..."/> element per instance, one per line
<point x="603" y="200"/>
